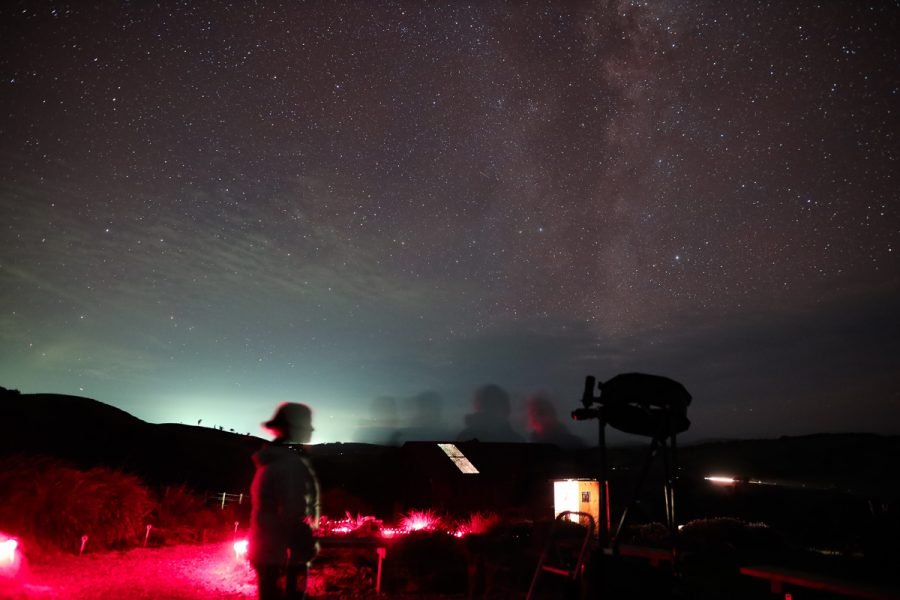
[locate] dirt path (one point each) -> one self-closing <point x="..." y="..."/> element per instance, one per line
<point x="175" y="573"/>
<point x="206" y="572"/>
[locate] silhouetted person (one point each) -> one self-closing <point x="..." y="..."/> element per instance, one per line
<point x="490" y="421"/>
<point x="545" y="427"/>
<point x="285" y="503"/>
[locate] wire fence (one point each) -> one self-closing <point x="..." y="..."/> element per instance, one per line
<point x="226" y="498"/>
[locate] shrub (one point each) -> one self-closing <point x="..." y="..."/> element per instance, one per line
<point x="654" y="535"/>
<point x="184" y="516"/>
<point x="719" y="534"/>
<point x="479" y="523"/>
<point x="53" y="504"/>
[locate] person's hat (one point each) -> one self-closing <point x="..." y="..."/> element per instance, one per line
<point x="290" y="417"/>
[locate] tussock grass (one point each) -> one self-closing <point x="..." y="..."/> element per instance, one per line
<point x="52" y="505"/>
<point x="184" y="515"/>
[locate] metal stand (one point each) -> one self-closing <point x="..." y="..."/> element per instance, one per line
<point x="647" y="405"/>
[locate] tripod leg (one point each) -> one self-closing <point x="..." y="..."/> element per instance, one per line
<point x="672" y="487"/>
<point x="667" y="485"/>
<point x="603" y="531"/>
<point x="654" y="446"/>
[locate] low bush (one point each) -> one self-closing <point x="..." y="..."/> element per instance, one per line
<point x="53" y="505"/>
<point x="654" y="535"/>
<point x="479" y="523"/>
<point x="719" y="534"/>
<point x="183" y="515"/>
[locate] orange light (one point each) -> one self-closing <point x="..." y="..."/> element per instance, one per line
<point x="577" y="496"/>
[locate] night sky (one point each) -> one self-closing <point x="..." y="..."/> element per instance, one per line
<point x="371" y="207"/>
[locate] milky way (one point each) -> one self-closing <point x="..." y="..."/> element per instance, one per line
<point x="210" y="208"/>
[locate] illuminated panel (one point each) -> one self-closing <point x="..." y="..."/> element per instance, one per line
<point x="459" y="459"/>
<point x="577" y="496"/>
<point x="565" y="497"/>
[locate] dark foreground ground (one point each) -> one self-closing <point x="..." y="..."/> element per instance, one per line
<point x="212" y="571"/>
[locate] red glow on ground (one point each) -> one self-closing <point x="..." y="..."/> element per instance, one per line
<point x="367" y="527"/>
<point x="186" y="571"/>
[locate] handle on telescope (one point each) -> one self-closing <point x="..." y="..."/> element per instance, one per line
<point x="587" y="398"/>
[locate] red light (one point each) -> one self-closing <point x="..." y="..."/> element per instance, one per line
<point x="8" y="551"/>
<point x="240" y="549"/>
<point x="420" y="520"/>
<point x="10" y="556"/>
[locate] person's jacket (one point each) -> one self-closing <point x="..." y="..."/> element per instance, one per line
<point x="284" y="495"/>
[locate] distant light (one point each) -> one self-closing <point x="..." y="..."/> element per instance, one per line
<point x="459" y="459"/>
<point x="240" y="549"/>
<point x="721" y="479"/>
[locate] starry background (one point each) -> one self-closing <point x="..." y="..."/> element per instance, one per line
<point x="208" y="208"/>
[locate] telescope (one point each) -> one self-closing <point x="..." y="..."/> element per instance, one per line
<point x="649" y="405"/>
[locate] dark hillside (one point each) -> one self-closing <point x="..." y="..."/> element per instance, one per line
<point x="80" y="429"/>
<point x="858" y="463"/>
<point x="383" y="480"/>
<point x="88" y="433"/>
<point x="861" y="464"/>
